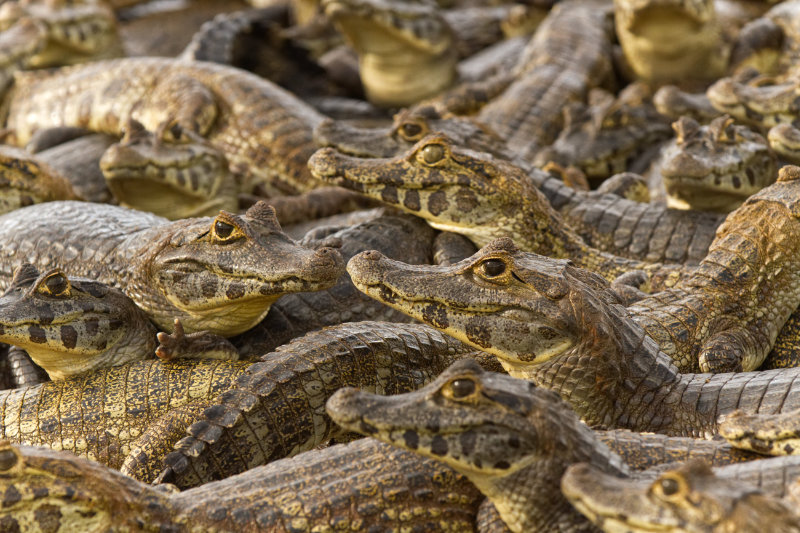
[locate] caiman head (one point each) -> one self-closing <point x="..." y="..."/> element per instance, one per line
<point x="510" y="438"/>
<point x="408" y="128"/>
<point x="179" y="177"/>
<point x="546" y="320"/>
<point x="760" y="101"/>
<point x="48" y="490"/>
<point x="224" y="273"/>
<point x="406" y="48"/>
<point x="70" y="326"/>
<point x="715" y="167"/>
<point x="769" y="434"/>
<point x="689" y="498"/>
<point x="454" y="189"/>
<point x="24" y="181"/>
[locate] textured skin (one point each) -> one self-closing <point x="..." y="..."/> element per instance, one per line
<point x="182" y="269"/>
<point x="264" y="131"/>
<point x="363" y="486"/>
<point x="715" y="167"/>
<point x="70" y="326"/>
<point x="77" y="160"/>
<point x="690" y="498"/>
<point x="401" y="237"/>
<point x="22" y="372"/>
<point x="480" y="197"/>
<point x="606" y="221"/>
<point x="26" y="180"/>
<point x="277" y="408"/>
<point x="562" y="328"/>
<point x="777" y="434"/>
<point x="568" y="55"/>
<point x="100" y="415"/>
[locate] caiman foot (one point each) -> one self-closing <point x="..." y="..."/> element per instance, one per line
<point x="199" y="345"/>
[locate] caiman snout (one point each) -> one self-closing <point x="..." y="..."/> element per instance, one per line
<point x="326" y="263"/>
<point x="323" y="163"/>
<point x="365" y="267"/>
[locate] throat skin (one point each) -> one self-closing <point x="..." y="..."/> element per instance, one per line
<point x="392" y="80"/>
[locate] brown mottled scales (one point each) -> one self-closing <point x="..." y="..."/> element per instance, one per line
<point x="477" y="196"/>
<point x="563" y="328"/>
<point x="775" y="434"/>
<point x="277" y="407"/>
<point x="70" y="325"/>
<point x="606" y="221"/>
<point x="263" y="130"/>
<point x="397" y="236"/>
<point x="690" y="498"/>
<point x="27" y="180"/>
<point x="509" y="437"/>
<point x="362" y="486"/>
<point x="124" y="402"/>
<point x="217" y="274"/>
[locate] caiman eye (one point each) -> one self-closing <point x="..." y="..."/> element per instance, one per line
<point x="411" y="131"/>
<point x="461" y="388"/>
<point x="433" y="153"/>
<point x="492" y="268"/>
<point x="225" y="231"/>
<point x="56" y="284"/>
<point x="7" y="460"/>
<point x="669" y="487"/>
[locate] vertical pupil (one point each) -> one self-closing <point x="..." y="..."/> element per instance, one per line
<point x="223" y="230"/>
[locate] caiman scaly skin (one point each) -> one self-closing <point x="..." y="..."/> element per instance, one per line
<point x="777" y="434"/>
<point x="277" y="408"/>
<point x="567" y="56"/>
<point x="218" y="274"/>
<point x="690" y="498"/>
<point x="671" y="40"/>
<point x="401" y="237"/>
<point x="509" y="437"/>
<point x="478" y="196"/>
<point x="123" y="402"/>
<point x="606" y="221"/>
<point x="362" y="486"/>
<point x="70" y="326"/>
<point x="715" y="167"/>
<point x="174" y="180"/>
<point x="262" y="130"/>
<point x="27" y="180"/>
<point x="563" y="328"/>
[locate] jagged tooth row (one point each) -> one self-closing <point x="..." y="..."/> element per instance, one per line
<point x="277" y="406"/>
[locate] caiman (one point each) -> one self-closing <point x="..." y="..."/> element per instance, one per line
<point x="689" y="499"/>
<point x="671" y="40"/>
<point x="218" y="274"/>
<point x="26" y="180"/>
<point x="563" y="328"/>
<point x="69" y="325"/>
<point x="715" y="167"/>
<point x="408" y="51"/>
<point x="777" y="434"/>
<point x="509" y="437"/>
<point x="263" y="131"/>
<point x="74" y="32"/>
<point x="362" y="486"/>
<point x="606" y="221"/>
<point x="478" y="196"/>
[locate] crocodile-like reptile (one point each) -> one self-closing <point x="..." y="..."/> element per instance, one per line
<point x="69" y="325"/>
<point x="401" y="237"/>
<point x="671" y="40"/>
<point x="509" y="437"/>
<point x="74" y="32"/>
<point x="362" y="486"/>
<point x="264" y="131"/>
<point x="408" y="51"/>
<point x="568" y="55"/>
<point x="277" y="407"/>
<point x="777" y="434"/>
<point x="26" y="180"/>
<point x="477" y="196"/>
<point x="562" y="328"/>
<point x="605" y="221"/>
<point x="175" y="180"/>
<point x="761" y="101"/>
<point x="690" y="498"/>
<point x="218" y="274"/>
<point x="715" y="167"/>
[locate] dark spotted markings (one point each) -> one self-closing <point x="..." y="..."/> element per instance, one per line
<point x="69" y="337"/>
<point x="439" y="445"/>
<point x="37" y="334"/>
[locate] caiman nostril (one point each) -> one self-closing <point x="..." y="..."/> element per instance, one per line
<point x="372" y="255"/>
